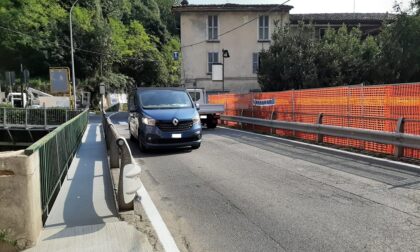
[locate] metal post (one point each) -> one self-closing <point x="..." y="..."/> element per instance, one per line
<point x="58" y="160"/>
<point x="293" y="110"/>
<point x="4" y="117"/>
<point x="72" y="57"/>
<point x="399" y="150"/>
<point x="242" y="114"/>
<point x="66" y="116"/>
<point x="271" y="118"/>
<point x="223" y="73"/>
<point x="319" y="137"/>
<point x="45" y="117"/>
<point x="26" y="118"/>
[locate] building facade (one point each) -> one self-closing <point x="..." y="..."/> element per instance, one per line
<point x="368" y="23"/>
<point x="242" y="30"/>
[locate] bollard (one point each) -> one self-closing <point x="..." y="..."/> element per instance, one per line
<point x="126" y="160"/>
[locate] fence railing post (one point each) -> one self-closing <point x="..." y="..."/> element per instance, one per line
<point x="399" y="150"/>
<point x="4" y="117"/>
<point x="319" y="137"/>
<point x="45" y="117"/>
<point x="242" y="114"/>
<point x="271" y="118"/>
<point x="26" y="118"/>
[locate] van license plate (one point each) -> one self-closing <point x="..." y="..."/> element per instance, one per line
<point x="176" y="135"/>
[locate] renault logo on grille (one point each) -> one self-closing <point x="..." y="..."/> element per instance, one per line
<point x="175" y="122"/>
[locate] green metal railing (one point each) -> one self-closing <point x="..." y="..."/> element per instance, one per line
<point x="35" y="117"/>
<point x="56" y="151"/>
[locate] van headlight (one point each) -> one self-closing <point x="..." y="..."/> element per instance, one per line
<point x="196" y="119"/>
<point x="148" y="121"/>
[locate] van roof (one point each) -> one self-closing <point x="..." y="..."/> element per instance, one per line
<point x="160" y="88"/>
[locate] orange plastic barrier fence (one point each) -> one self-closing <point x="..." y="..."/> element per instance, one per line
<point x="367" y="107"/>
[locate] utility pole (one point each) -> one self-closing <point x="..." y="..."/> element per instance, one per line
<point x="22" y="77"/>
<point x="72" y="57"/>
<point x="225" y="54"/>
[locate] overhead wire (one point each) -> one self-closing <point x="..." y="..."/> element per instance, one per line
<point x="239" y="26"/>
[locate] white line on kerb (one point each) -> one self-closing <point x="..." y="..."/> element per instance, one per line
<point x="162" y="231"/>
<point x="328" y="148"/>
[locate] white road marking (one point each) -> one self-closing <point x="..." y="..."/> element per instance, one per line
<point x="165" y="237"/>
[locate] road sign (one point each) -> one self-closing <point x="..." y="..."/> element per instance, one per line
<point x="102" y="88"/>
<point x="59" y="80"/>
<point x="176" y="55"/>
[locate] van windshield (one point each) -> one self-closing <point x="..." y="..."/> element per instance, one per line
<point x="164" y="99"/>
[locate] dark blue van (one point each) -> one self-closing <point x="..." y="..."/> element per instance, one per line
<point x="163" y="118"/>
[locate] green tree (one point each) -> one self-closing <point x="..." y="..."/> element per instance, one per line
<point x="289" y="63"/>
<point x="400" y="51"/>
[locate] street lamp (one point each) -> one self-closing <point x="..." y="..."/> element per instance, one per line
<point x="73" y="75"/>
<point x="225" y="54"/>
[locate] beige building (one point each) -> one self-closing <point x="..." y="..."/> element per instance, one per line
<point x="243" y="30"/>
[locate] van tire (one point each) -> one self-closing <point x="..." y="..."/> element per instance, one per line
<point x="212" y="124"/>
<point x="142" y="147"/>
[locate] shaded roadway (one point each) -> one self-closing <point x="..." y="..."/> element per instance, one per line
<point x="246" y="192"/>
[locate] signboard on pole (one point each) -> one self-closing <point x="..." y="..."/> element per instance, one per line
<point x="60" y="80"/>
<point x="263" y="102"/>
<point x="217" y="72"/>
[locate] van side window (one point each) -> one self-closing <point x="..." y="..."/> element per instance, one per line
<point x="195" y="95"/>
<point x="131" y="104"/>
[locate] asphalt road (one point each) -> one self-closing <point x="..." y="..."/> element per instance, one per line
<point x="246" y="192"/>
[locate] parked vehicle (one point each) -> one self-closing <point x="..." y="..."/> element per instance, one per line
<point x="209" y="113"/>
<point x="163" y="118"/>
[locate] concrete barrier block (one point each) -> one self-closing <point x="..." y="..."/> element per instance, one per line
<point x="20" y="197"/>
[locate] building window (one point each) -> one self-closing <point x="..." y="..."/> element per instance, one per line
<point x="263" y="28"/>
<point x="213" y="57"/>
<point x="255" y="62"/>
<point x="213" y="24"/>
<point x="322" y="32"/>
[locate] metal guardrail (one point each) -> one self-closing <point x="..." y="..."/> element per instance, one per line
<point x="398" y="139"/>
<point x="120" y="157"/>
<point x="35" y="117"/>
<point x="56" y="151"/>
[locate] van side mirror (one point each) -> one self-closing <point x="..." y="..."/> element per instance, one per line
<point x="197" y="106"/>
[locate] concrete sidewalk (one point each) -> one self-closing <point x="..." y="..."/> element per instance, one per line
<point x="84" y="216"/>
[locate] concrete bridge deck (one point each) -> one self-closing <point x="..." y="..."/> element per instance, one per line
<point x="84" y="216"/>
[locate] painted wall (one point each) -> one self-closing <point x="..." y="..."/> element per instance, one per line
<point x="241" y="43"/>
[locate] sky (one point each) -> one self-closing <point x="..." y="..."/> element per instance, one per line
<point x="321" y="6"/>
